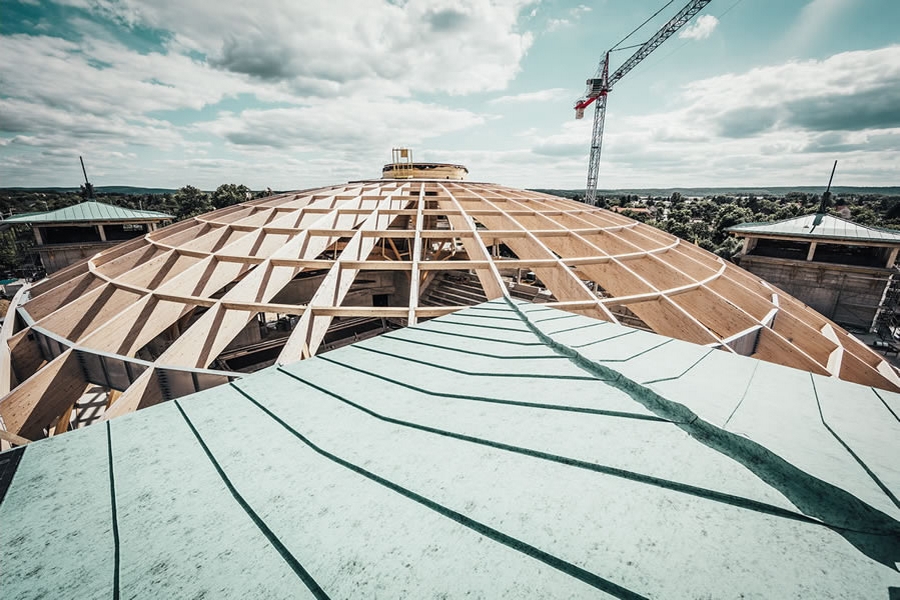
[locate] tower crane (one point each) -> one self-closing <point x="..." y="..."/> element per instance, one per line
<point x="599" y="86"/>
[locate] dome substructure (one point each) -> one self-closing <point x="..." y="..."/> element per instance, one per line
<point x="286" y="277"/>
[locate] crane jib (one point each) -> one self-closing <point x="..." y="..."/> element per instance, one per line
<point x="674" y="24"/>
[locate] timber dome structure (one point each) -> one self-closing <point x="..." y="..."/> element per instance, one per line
<point x="289" y="276"/>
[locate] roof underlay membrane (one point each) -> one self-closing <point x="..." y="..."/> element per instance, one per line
<point x="509" y="450"/>
<point x="158" y="317"/>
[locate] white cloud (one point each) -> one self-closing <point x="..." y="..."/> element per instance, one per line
<point x="573" y="15"/>
<point x="101" y="100"/>
<point x="34" y="124"/>
<point x="580" y="10"/>
<point x="775" y="125"/>
<point x="326" y="127"/>
<point x="556" y="24"/>
<point x="103" y="78"/>
<point x="700" y="29"/>
<point x="347" y="95"/>
<point x="343" y="46"/>
<point x="548" y="95"/>
<point x="319" y="96"/>
<point x="849" y="90"/>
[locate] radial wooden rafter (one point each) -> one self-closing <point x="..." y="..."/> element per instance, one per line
<point x="199" y="283"/>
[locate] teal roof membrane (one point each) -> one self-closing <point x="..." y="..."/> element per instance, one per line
<point x="821" y="226"/>
<point x="88" y="211"/>
<point x="505" y="451"/>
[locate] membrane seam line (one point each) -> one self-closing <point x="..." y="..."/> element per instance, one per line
<point x="475" y="373"/>
<point x="633" y="356"/>
<point x="459" y="335"/>
<point x="577" y="409"/>
<point x="591" y="343"/>
<point x="114" y="514"/>
<point x="597" y="324"/>
<point x="890" y="410"/>
<point x="471" y="316"/>
<point x="743" y="396"/>
<point x="722" y="497"/>
<point x="865" y="467"/>
<point x="282" y="550"/>
<point x="551" y="560"/>
<point x="680" y="375"/>
<point x="472" y="352"/>
<point x="479" y="326"/>
<point x="566" y="316"/>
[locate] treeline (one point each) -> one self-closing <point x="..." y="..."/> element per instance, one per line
<point x="698" y="220"/>
<point x="704" y="220"/>
<point x="182" y="204"/>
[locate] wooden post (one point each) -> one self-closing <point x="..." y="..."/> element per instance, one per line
<point x="112" y="396"/>
<point x="749" y="244"/>
<point x="62" y="424"/>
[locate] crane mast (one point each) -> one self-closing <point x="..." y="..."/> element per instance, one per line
<point x="601" y="84"/>
<point x="597" y="137"/>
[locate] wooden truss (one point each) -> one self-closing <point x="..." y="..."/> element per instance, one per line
<point x="190" y="289"/>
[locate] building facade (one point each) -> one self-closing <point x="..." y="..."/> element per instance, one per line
<point x="842" y="269"/>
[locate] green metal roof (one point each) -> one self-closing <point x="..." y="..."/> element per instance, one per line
<point x="509" y="450"/>
<point x="819" y="226"/>
<point x="88" y="211"/>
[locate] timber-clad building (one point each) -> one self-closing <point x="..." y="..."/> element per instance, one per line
<point x="844" y="270"/>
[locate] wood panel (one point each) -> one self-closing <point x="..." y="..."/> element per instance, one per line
<point x="143" y="393"/>
<point x="32" y="406"/>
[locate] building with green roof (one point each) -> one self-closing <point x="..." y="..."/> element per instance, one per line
<point x="68" y="235"/>
<point x="844" y="270"/>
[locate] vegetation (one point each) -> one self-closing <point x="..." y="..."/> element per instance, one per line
<point x="700" y="219"/>
<point x="703" y="220"/>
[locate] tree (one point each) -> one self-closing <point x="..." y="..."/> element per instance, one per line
<point x="893" y="211"/>
<point x="679" y="223"/>
<point x="191" y="202"/>
<point x="704" y="209"/>
<point x="798" y="197"/>
<point x="729" y="247"/>
<point x="732" y="215"/>
<point x="786" y="212"/>
<point x="229" y="194"/>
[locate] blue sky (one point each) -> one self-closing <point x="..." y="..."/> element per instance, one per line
<point x="295" y="94"/>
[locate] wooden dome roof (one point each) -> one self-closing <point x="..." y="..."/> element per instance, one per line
<point x="151" y="318"/>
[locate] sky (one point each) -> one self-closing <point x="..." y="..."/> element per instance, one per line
<point x="292" y="94"/>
